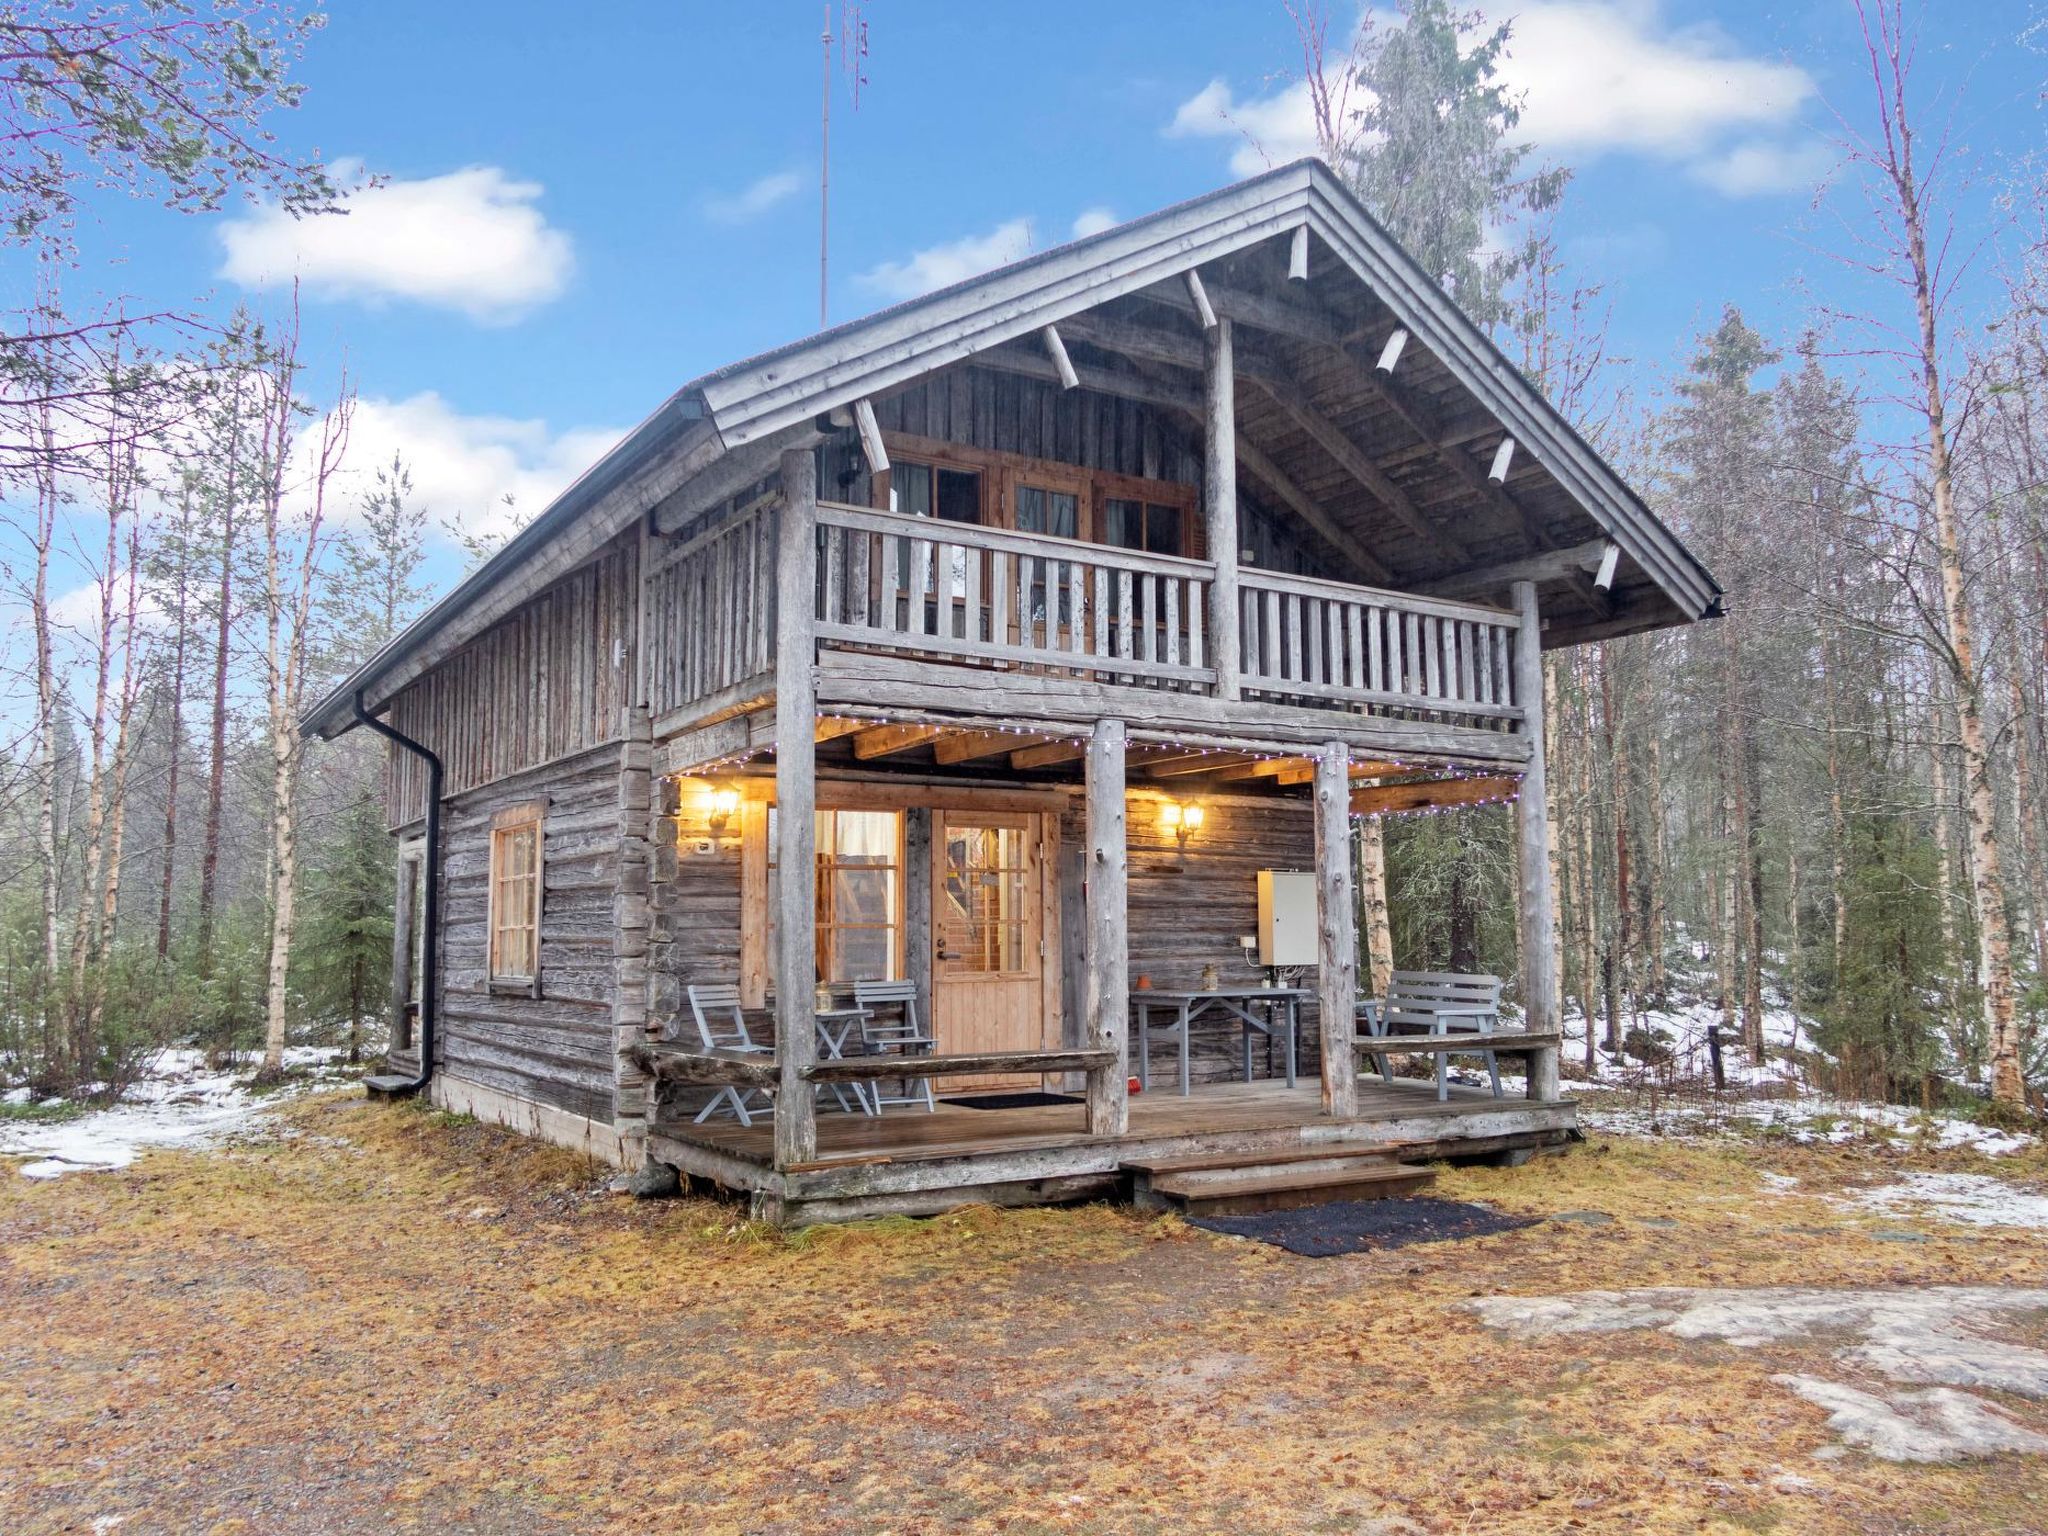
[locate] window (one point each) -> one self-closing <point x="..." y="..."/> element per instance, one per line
<point x="859" y="909"/>
<point x="1155" y="527"/>
<point x="985" y="912"/>
<point x="515" y="894"/>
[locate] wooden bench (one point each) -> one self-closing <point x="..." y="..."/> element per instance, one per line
<point x="1440" y="1012"/>
<point x="709" y="1067"/>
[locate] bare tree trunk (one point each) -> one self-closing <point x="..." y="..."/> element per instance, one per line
<point x="1372" y="895"/>
<point x="1653" y="862"/>
<point x="1588" y="883"/>
<point x="217" y="765"/>
<point x="1617" y="761"/>
<point x="1892" y="156"/>
<point x="46" y="709"/>
<point x="179" y="610"/>
<point x="1753" y="910"/>
<point x="1554" y="741"/>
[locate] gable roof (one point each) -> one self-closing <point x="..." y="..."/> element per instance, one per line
<point x="751" y="401"/>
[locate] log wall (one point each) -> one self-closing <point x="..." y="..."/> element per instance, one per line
<point x="556" y="1048"/>
<point x="554" y="679"/>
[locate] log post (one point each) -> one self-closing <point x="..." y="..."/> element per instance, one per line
<point x="917" y="907"/>
<point x="796" y="795"/>
<point x="1219" y="502"/>
<point x="1337" y="917"/>
<point x="1106" y="992"/>
<point x="1536" y="908"/>
<point x="405" y="917"/>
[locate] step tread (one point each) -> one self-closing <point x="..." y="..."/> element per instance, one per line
<point x="1199" y="1162"/>
<point x="1272" y="1180"/>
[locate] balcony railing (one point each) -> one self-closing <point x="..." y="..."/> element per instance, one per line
<point x="993" y="598"/>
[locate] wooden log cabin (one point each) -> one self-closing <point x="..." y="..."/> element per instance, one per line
<point x="996" y="643"/>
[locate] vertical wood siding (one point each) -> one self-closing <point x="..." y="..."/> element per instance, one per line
<point x="711" y="611"/>
<point x="555" y="678"/>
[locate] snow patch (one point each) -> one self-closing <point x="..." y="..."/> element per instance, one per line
<point x="1936" y="1425"/>
<point x="178" y="1102"/>
<point x="1932" y="1336"/>
<point x="1975" y="1198"/>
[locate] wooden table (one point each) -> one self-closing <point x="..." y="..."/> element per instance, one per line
<point x="1282" y="1010"/>
<point x="835" y="1027"/>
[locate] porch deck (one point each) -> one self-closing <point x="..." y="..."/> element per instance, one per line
<point x="914" y="1162"/>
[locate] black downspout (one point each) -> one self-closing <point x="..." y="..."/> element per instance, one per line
<point x="430" y="979"/>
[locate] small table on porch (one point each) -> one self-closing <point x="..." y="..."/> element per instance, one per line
<point x="1282" y="1006"/>
<point x="835" y="1027"/>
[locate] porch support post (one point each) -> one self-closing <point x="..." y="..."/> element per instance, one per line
<point x="1219" y="501"/>
<point x="1337" y="957"/>
<point x="796" y="797"/>
<point x="1536" y="907"/>
<point x="1106" y="993"/>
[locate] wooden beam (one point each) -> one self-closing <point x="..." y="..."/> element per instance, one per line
<point x="1266" y="768"/>
<point x="1219" y="505"/>
<point x="1337" y="932"/>
<point x="1304" y="506"/>
<point x="1536" y="906"/>
<point x="1199" y="296"/>
<point x="1297" y="255"/>
<point x="1431" y="794"/>
<point x="1390" y="354"/>
<point x="966" y="746"/>
<point x="871" y="446"/>
<point x="1610" y="557"/>
<point x="726" y="477"/>
<point x="1549" y="565"/>
<point x="1193" y="763"/>
<point x="1357" y="463"/>
<point x="1057" y="351"/>
<point x="1048" y="755"/>
<point x="1503" y="460"/>
<point x="840" y="725"/>
<point x="883" y="740"/>
<point x="1106" y="1001"/>
<point x="796" y="760"/>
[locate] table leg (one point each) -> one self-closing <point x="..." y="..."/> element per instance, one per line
<point x="1186" y="1029"/>
<point x="1144" y="1047"/>
<point x="1293" y="1033"/>
<point x="1245" y="1029"/>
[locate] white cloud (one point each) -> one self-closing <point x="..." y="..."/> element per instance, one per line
<point x="1093" y="221"/>
<point x="472" y="240"/>
<point x="1596" y="76"/>
<point x="1267" y="131"/>
<point x="79" y="609"/>
<point x="748" y="204"/>
<point x="938" y="265"/>
<point x="464" y="468"/>
<point x="1605" y="74"/>
<point x="1757" y="166"/>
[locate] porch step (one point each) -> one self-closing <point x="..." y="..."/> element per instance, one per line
<point x="1281" y="1183"/>
<point x="1384" y="1152"/>
<point x="390" y="1085"/>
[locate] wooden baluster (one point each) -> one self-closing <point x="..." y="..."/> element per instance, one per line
<point x="1292" y="660"/>
<point x="1354" y="670"/>
<point x="1001" y="576"/>
<point x="1195" y="632"/>
<point x="1077" y="608"/>
<point x="1173" y="586"/>
<point x="1102" y="617"/>
<point x="1270" y="664"/>
<point x="971" y="625"/>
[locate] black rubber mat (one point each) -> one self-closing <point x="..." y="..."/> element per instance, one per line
<point x="1030" y="1100"/>
<point x="1358" y="1226"/>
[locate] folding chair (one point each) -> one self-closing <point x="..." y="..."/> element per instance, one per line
<point x="898" y="1032"/>
<point x="722" y="1026"/>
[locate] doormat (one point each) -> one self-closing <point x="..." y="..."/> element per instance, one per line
<point x="1360" y="1226"/>
<point x="1031" y="1100"/>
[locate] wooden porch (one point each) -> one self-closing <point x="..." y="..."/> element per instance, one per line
<point x="913" y="1162"/>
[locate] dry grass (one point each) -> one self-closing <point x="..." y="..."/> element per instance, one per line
<point x="381" y="1319"/>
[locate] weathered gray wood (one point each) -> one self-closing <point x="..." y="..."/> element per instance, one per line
<point x="1219" y="504"/>
<point x="695" y="1066"/>
<point x="1512" y="1042"/>
<point x="1199" y="297"/>
<point x="1337" y="928"/>
<point x="1536" y="903"/>
<point x="852" y="1069"/>
<point x="796" y="756"/>
<point x="1106" y="962"/>
<point x="1056" y="349"/>
<point x="917" y="905"/>
<point x="404" y="916"/>
<point x="1546" y="565"/>
<point x="1297" y="255"/>
<point x="913" y="688"/>
<point x="728" y="475"/>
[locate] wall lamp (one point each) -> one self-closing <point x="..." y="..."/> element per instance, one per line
<point x="725" y="803"/>
<point x="1182" y="818"/>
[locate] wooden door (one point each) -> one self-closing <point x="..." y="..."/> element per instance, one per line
<point x="995" y="919"/>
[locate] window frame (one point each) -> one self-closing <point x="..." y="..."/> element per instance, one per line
<point x="1000" y="473"/>
<point x="506" y="822"/>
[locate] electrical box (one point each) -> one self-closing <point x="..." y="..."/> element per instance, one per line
<point x="1288" y="932"/>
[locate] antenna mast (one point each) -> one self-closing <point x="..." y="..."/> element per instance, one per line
<point x="824" y="156"/>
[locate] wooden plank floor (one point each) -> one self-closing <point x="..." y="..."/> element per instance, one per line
<point x="905" y="1134"/>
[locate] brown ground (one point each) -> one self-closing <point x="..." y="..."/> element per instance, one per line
<point x="378" y="1319"/>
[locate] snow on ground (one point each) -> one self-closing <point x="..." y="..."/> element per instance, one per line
<point x="1809" y="1118"/>
<point x="1964" y="1197"/>
<point x="178" y="1102"/>
<point x="1935" y="1337"/>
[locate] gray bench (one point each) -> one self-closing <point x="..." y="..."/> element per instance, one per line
<point x="1431" y="1010"/>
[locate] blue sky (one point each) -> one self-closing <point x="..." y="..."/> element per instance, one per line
<point x="586" y="207"/>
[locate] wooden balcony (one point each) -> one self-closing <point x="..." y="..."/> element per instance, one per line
<point x="1016" y="606"/>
